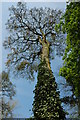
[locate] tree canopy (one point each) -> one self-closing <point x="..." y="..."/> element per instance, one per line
<point x="27" y="29"/>
<point x="70" y="24"/>
<point x="71" y="67"/>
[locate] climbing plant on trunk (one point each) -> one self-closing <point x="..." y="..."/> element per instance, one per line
<point x="46" y="103"/>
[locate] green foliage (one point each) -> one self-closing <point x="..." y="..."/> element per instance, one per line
<point x="47" y="104"/>
<point x="71" y="67"/>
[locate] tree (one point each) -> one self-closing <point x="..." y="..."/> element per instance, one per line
<point x="32" y="36"/>
<point x="46" y="103"/>
<point x="8" y="91"/>
<point x="71" y="67"/>
<point x="7" y="86"/>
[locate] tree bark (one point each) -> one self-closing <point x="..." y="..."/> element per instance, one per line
<point x="45" y="51"/>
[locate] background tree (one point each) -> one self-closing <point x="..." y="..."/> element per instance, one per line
<point x="71" y="67"/>
<point x="32" y="36"/>
<point x="8" y="91"/>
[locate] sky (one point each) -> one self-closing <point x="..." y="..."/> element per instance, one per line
<point x="34" y="0"/>
<point x="24" y="88"/>
<point x="0" y="37"/>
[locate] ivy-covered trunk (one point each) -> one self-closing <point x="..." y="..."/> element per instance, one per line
<point x="47" y="104"/>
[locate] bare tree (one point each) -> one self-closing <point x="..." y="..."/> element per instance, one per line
<point x="32" y="37"/>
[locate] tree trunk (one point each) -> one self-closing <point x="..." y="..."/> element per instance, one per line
<point x="79" y="107"/>
<point x="47" y="105"/>
<point x="45" y="51"/>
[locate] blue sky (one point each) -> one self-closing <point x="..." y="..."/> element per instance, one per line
<point x="24" y="88"/>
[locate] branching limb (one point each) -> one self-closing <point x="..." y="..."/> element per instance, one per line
<point x="40" y="39"/>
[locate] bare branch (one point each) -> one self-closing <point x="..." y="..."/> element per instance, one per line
<point x="28" y="28"/>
